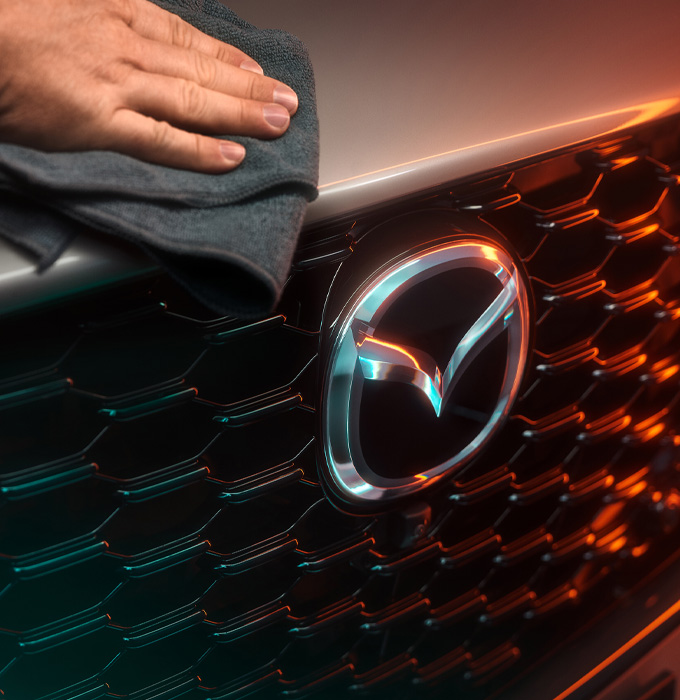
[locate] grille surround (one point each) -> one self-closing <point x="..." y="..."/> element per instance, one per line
<point x="174" y="567"/>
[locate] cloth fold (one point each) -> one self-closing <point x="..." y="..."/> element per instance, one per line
<point x="229" y="239"/>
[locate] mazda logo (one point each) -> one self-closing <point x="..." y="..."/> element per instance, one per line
<point x="424" y="366"/>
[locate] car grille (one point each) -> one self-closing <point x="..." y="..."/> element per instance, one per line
<point x="163" y="529"/>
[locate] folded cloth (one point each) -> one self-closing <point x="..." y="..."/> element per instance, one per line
<point x="229" y="239"/>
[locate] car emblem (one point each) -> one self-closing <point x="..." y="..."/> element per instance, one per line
<point x="423" y="369"/>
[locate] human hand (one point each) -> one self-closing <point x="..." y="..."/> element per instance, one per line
<point x="127" y="76"/>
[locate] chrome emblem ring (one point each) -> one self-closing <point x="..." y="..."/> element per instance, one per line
<point x="363" y="359"/>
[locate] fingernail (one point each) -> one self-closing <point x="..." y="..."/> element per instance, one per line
<point x="283" y="95"/>
<point x="276" y="115"/>
<point x="233" y="152"/>
<point x="252" y="66"/>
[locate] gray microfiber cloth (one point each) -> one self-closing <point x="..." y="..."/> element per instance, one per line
<point x="228" y="238"/>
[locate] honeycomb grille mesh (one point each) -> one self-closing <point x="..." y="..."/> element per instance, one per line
<point x="163" y="531"/>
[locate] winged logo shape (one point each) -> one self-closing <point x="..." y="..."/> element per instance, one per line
<point x="383" y="361"/>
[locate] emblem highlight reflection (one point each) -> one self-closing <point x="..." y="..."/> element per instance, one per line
<point x="380" y="360"/>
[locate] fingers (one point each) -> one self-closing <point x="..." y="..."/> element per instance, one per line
<point x="140" y="83"/>
<point x="152" y="22"/>
<point x="211" y="73"/>
<point x="196" y="82"/>
<point x="186" y="104"/>
<point x="158" y="142"/>
<point x="187" y="81"/>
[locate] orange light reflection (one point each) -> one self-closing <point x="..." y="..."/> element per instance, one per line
<point x="672" y="500"/>
<point x="607" y="516"/>
<point x="610" y="540"/>
<point x="652" y="432"/>
<point x="490" y="253"/>
<point x="649" y="422"/>
<point x="620" y="162"/>
<point x="632" y="479"/>
<point x="636" y="490"/>
<point x="651" y="627"/>
<point x="664" y="374"/>
<point x="396" y="348"/>
<point x="617" y="544"/>
<point x="639" y="550"/>
<point x="644" y="112"/>
<point x="646" y="230"/>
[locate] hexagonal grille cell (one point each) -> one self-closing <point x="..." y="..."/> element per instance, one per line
<point x="164" y="529"/>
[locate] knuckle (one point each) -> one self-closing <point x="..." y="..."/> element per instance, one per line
<point x="125" y="10"/>
<point x="197" y="145"/>
<point x="111" y="14"/>
<point x="241" y="112"/>
<point x="205" y="70"/>
<point x="254" y="87"/>
<point x="224" y="53"/>
<point x="114" y="72"/>
<point x="160" y="137"/>
<point x="180" y="35"/>
<point x="98" y="22"/>
<point x="193" y="99"/>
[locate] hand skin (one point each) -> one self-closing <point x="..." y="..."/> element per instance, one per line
<point x="127" y="76"/>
